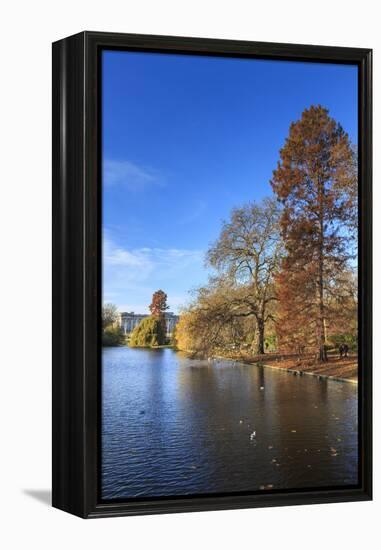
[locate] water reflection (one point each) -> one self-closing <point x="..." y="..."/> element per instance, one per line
<point x="174" y="426"/>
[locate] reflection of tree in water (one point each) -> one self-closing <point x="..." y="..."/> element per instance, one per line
<point x="194" y="433"/>
<point x="291" y="416"/>
<point x="224" y="404"/>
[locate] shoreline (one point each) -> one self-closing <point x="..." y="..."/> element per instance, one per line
<point x="297" y="372"/>
<point x="315" y="369"/>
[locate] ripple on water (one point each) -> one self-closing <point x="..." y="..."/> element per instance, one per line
<point x="194" y="434"/>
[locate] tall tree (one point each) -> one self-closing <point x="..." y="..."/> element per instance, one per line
<point x="159" y="303"/>
<point x="247" y="252"/>
<point x="159" y="306"/>
<point x="316" y="182"/>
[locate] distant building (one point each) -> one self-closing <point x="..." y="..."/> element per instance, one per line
<point x="129" y="320"/>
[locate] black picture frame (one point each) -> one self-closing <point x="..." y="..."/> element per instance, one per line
<point x="77" y="265"/>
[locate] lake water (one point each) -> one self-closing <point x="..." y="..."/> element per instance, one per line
<point x="177" y="426"/>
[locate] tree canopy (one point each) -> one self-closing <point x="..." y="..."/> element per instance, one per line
<point x="112" y="334"/>
<point x="148" y="333"/>
<point x="158" y="305"/>
<point x="316" y="182"/>
<point x="248" y="253"/>
<point x="235" y="307"/>
<point x="285" y="268"/>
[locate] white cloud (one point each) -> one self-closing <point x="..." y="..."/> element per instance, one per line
<point x="130" y="276"/>
<point x="147" y="257"/>
<point x="130" y="175"/>
<point x="114" y="255"/>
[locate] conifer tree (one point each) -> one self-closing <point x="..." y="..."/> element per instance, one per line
<point x="316" y="182"/>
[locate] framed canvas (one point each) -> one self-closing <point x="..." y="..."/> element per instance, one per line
<point x="212" y="335"/>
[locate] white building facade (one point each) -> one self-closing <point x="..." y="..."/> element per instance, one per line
<point x="129" y="320"/>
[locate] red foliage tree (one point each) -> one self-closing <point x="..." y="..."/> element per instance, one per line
<point x="316" y="181"/>
<point x="158" y="305"/>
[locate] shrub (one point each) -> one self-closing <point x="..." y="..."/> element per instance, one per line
<point x="112" y="336"/>
<point x="173" y="340"/>
<point x="271" y="343"/>
<point x="349" y="339"/>
<point x="148" y="333"/>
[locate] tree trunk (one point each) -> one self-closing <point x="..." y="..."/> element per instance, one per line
<point x="321" y="320"/>
<point x="261" y="337"/>
<point x="323" y="353"/>
<point x="322" y="339"/>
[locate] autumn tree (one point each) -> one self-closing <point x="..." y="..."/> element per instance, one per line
<point x="158" y="305"/>
<point x="247" y="253"/>
<point x="316" y="183"/>
<point x="148" y="333"/>
<point x="342" y="310"/>
<point x="215" y="322"/>
<point x="187" y="333"/>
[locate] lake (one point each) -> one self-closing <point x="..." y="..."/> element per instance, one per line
<point x="178" y="426"/>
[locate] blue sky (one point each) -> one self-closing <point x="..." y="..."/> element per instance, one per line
<point x="186" y="138"/>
